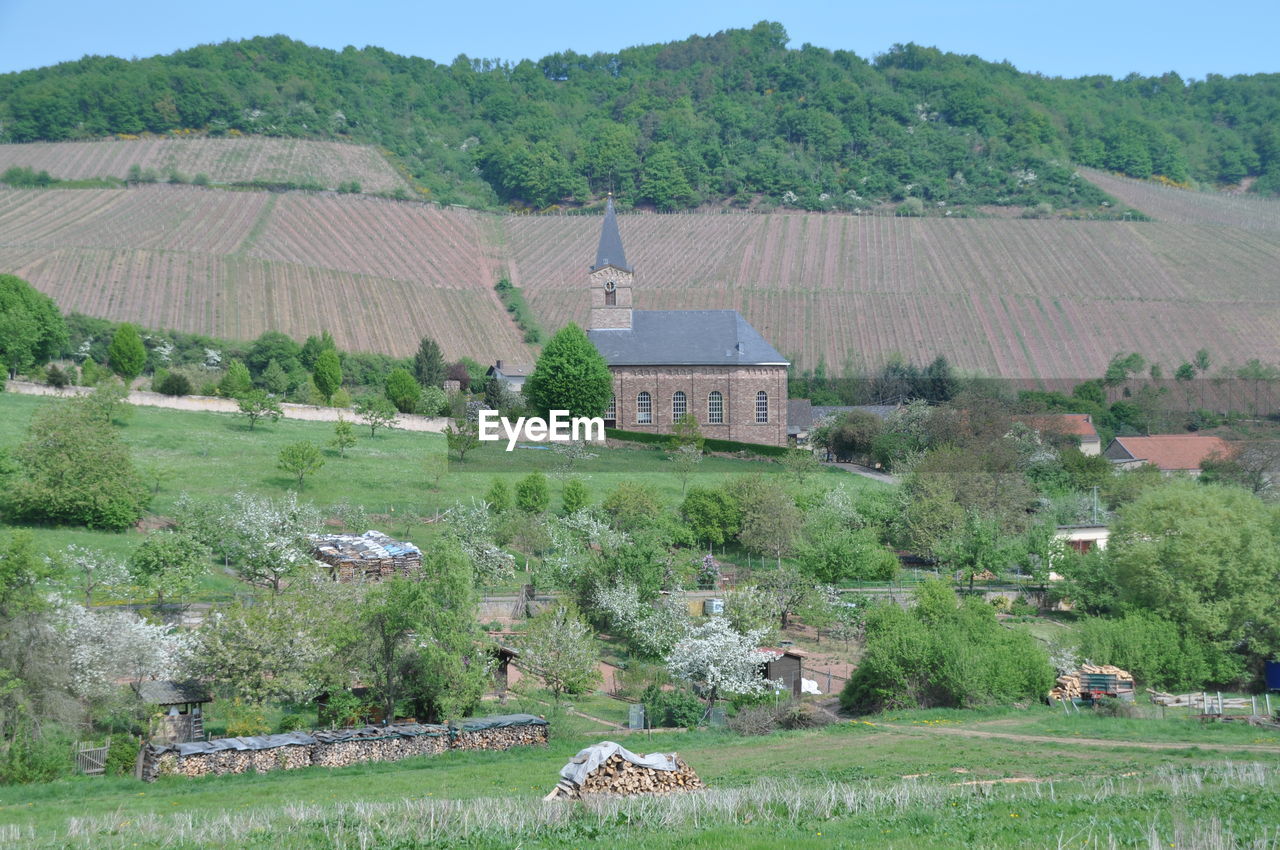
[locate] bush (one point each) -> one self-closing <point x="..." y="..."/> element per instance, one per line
<point x="944" y="653"/>
<point x="293" y="721"/>
<point x="245" y="719"/>
<point x="533" y="495"/>
<point x="174" y="383"/>
<point x="36" y="757"/>
<point x="122" y="756"/>
<point x="675" y="708"/>
<point x="1152" y="648"/>
<point x="574" y="496"/>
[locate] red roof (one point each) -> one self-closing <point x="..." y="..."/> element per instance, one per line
<point x="1076" y="424"/>
<point x="1172" y="452"/>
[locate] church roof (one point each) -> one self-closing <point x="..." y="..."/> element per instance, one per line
<point x="610" y="252"/>
<point x="685" y="338"/>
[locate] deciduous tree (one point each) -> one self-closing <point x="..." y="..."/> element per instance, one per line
<point x="570" y="375"/>
<point x="560" y="649"/>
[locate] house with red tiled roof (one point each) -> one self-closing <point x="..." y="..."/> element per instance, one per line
<point x="1078" y="425"/>
<point x="1170" y="452"/>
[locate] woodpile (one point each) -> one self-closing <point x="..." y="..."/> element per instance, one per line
<point x="371" y="556"/>
<point x="620" y="774"/>
<point x="501" y="738"/>
<point x="338" y="747"/>
<point x="1069" y="688"/>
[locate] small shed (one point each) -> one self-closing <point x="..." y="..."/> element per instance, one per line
<point x="371" y="556"/>
<point x="181" y="704"/>
<point x="786" y="665"/>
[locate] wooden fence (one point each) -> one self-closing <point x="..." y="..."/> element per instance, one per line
<point x="91" y="759"/>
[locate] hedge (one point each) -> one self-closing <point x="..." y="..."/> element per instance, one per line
<point x="709" y="445"/>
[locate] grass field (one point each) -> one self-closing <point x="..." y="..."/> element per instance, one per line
<point x="215" y="455"/>
<point x="898" y="780"/>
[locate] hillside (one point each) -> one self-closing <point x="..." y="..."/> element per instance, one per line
<point x="247" y="159"/>
<point x="1168" y="203"/>
<point x="377" y="274"/>
<point x="725" y="119"/>
<point x="1015" y="298"/>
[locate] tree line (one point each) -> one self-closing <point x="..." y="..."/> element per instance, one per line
<point x="726" y="117"/>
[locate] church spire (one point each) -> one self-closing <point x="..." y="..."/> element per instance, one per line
<point x="610" y="252"/>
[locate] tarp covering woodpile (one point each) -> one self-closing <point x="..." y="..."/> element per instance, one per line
<point x="610" y="768"/>
<point x="339" y="747"/>
<point x="369" y="556"/>
<point x="1070" y="686"/>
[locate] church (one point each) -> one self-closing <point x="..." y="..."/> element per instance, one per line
<point x="711" y="364"/>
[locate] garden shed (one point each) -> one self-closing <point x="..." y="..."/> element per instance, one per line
<point x="181" y="717"/>
<point x="371" y="556"/>
<point x="786" y="665"/>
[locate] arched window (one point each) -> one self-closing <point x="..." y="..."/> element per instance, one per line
<point x="762" y="407"/>
<point x="715" y="408"/>
<point x="644" y="409"/>
<point x="679" y="405"/>
<point x="610" y="298"/>
<point x="611" y="412"/>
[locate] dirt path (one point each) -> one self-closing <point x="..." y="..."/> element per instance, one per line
<point x="1090" y="742"/>
<point x="405" y="421"/>
<point x="864" y="471"/>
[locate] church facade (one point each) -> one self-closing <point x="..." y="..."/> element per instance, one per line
<point x="710" y="364"/>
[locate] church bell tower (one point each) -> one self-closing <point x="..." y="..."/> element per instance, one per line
<point x="610" y="278"/>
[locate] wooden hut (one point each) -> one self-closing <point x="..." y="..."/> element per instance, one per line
<point x="181" y="706"/>
<point x="785" y="665"/>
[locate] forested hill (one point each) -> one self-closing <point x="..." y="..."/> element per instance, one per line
<point x="728" y="117"/>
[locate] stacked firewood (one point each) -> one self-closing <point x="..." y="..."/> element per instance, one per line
<point x="500" y="738"/>
<point x="343" y="753"/>
<point x="1068" y="686"/>
<point x="338" y="747"/>
<point x="619" y="776"/>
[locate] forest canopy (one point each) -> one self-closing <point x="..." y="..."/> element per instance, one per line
<point x="723" y="118"/>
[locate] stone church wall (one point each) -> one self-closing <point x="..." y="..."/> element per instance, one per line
<point x="738" y="385"/>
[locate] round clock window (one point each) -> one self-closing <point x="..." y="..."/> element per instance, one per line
<point x="610" y="285"/>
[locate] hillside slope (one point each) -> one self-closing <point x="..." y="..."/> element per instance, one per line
<point x="229" y="160"/>
<point x="1047" y="299"/>
<point x="377" y="274"/>
<point x="1168" y="203"/>
<point x="1018" y="299"/>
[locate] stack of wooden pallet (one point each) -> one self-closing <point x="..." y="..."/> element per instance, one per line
<point x="371" y="556"/>
<point x="1208" y="703"/>
<point x="1068" y="686"/>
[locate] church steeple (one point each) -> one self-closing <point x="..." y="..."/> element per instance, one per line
<point x="610" y="278"/>
<point x="610" y="252"/>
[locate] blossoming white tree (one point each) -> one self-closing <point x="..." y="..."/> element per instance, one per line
<point x="106" y="647"/>
<point x="716" y="659"/>
<point x="267" y="539"/>
<point x="87" y="570"/>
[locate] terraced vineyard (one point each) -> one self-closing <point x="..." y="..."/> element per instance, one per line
<point x="377" y="274"/>
<point x="223" y="160"/>
<point x="1035" y="299"/>
<point x="1019" y="299"/>
<point x="1167" y="203"/>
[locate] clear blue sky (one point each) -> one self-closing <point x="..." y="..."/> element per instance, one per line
<point x="1060" y="39"/>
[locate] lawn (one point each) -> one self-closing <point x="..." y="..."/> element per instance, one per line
<point x="391" y="475"/>
<point x="899" y="780"/>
